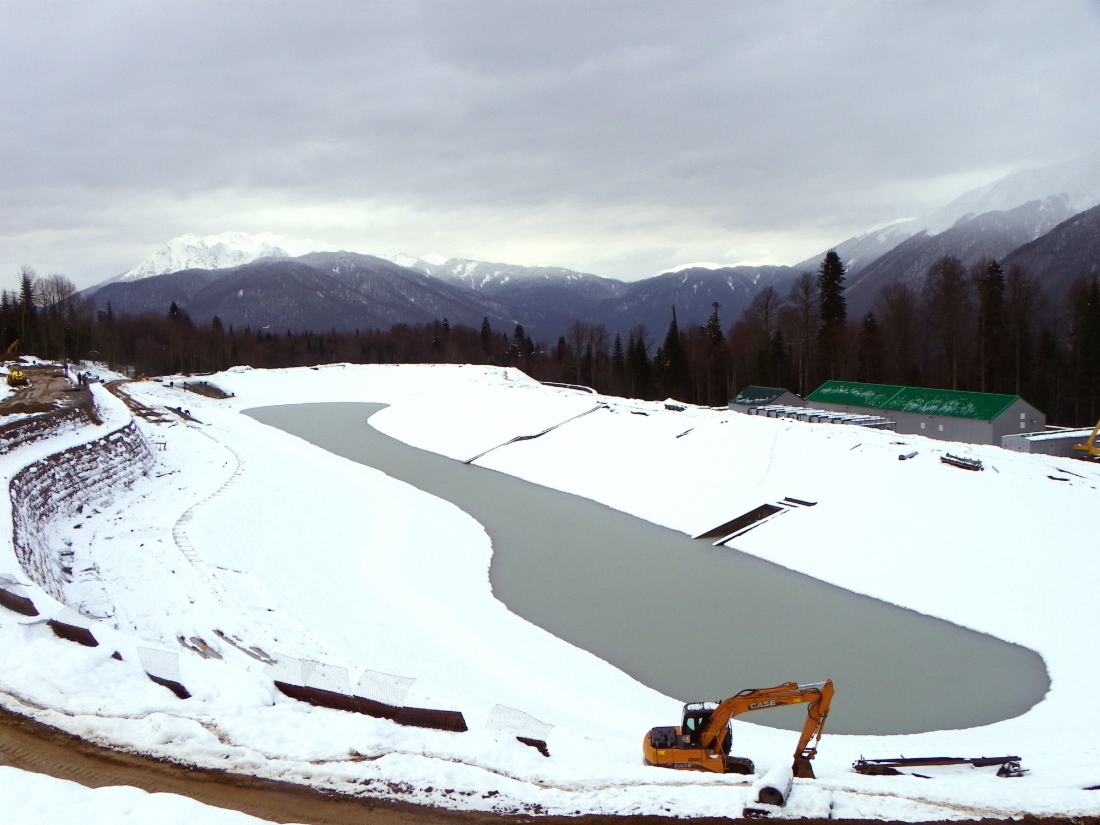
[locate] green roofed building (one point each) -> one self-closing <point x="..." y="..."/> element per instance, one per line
<point x="952" y="415"/>
<point x="752" y="397"/>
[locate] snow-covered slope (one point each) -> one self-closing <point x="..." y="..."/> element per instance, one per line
<point x="492" y="277"/>
<point x="222" y="251"/>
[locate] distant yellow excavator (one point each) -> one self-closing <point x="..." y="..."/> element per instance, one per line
<point x="702" y="741"/>
<point x="16" y="378"/>
<point x="1090" y="447"/>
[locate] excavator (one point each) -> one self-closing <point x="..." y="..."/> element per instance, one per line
<point x="702" y="741"/>
<point x="1090" y="447"/>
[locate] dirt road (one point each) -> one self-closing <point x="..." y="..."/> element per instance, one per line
<point x="35" y="747"/>
<point x="47" y="389"/>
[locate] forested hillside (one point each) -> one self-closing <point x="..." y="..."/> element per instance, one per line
<point x="979" y="327"/>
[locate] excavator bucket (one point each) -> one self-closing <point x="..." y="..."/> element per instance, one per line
<point x="802" y="769"/>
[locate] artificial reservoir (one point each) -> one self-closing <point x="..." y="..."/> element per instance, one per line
<point x="691" y="620"/>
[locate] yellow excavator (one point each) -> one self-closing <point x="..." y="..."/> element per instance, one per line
<point x="1090" y="447"/>
<point x="16" y="377"/>
<point x="702" y="741"/>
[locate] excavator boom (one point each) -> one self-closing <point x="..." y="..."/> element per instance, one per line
<point x="1090" y="447"/>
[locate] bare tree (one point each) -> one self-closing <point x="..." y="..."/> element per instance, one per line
<point x="54" y="290"/>
<point x="598" y="338"/>
<point x="897" y="306"/>
<point x="804" y="311"/>
<point x="1023" y="300"/>
<point x="765" y="338"/>
<point x="947" y="303"/>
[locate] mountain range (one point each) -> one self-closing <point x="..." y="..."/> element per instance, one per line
<point x="1046" y="220"/>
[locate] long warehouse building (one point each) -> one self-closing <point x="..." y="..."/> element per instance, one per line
<point x="951" y="415"/>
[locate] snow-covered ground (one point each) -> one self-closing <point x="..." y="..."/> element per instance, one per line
<point x="304" y="554"/>
<point x="36" y="799"/>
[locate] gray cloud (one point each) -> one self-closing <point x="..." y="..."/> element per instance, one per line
<point x="618" y="137"/>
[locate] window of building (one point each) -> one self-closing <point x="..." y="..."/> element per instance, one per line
<point x="922" y="425"/>
<point x="940" y="427"/>
<point x="1022" y="416"/>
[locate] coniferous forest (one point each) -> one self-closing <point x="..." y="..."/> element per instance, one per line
<point x="976" y="328"/>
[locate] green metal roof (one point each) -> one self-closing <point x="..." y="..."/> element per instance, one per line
<point x="757" y="395"/>
<point x="983" y="406"/>
<point x="854" y="394"/>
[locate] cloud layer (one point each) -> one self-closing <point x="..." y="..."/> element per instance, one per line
<point x="609" y="136"/>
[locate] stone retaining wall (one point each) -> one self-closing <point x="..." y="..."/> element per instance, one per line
<point x="44" y="425"/>
<point x="62" y="485"/>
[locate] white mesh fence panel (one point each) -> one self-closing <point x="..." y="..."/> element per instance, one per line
<point x="384" y="687"/>
<point x="286" y="669"/>
<point x="12" y="585"/>
<point x="67" y="615"/>
<point x="160" y="663"/>
<point x="328" y="677"/>
<point x="503" y="719"/>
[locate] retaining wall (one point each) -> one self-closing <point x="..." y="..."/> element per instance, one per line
<point x="60" y="486"/>
<point x="42" y="426"/>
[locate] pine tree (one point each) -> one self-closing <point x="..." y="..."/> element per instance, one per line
<point x="486" y="335"/>
<point x="833" y="312"/>
<point x="28" y="319"/>
<point x="713" y="328"/>
<point x="673" y="362"/>
<point x="637" y="363"/>
<point x="618" y="365"/>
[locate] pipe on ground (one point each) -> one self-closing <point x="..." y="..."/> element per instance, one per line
<point x="774" y="787"/>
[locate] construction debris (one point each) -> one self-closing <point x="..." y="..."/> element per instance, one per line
<point x="962" y="462"/>
<point x="1007" y="766"/>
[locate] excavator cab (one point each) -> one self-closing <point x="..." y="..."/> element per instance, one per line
<point x="696" y="718"/>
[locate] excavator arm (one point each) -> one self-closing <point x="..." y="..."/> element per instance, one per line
<point x="1090" y="447"/>
<point x="817" y="696"/>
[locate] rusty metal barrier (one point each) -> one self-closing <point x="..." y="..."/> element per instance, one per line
<point x="71" y="626"/>
<point x="14" y="597"/>
<point x="163" y="668"/>
<point x="328" y="686"/>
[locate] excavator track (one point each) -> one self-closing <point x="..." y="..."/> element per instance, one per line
<point x="740" y="764"/>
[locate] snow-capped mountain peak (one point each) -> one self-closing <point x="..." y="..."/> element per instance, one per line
<point x="222" y="251"/>
<point x="1057" y="192"/>
<point x="1069" y="187"/>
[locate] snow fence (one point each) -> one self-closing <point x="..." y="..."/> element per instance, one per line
<point x="376" y="694"/>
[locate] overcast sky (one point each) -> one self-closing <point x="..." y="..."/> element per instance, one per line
<point x="618" y="138"/>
